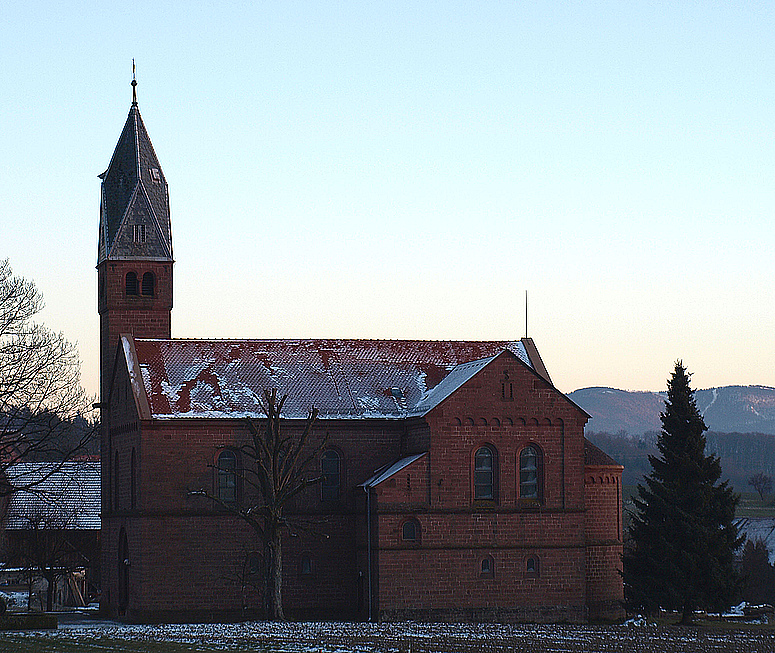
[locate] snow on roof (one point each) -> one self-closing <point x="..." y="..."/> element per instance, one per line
<point x="64" y="495"/>
<point x="454" y="380"/>
<point x="343" y="379"/>
<point x="386" y="472"/>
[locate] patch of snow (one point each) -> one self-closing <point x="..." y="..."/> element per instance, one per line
<point x="172" y="393"/>
<point x="712" y="401"/>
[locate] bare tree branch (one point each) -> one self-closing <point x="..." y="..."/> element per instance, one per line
<point x="45" y="415"/>
<point x="278" y="463"/>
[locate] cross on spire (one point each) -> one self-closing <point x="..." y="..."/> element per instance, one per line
<point x="134" y="85"/>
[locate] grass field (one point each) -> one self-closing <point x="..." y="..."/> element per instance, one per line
<point x="752" y="506"/>
<point x="394" y="638"/>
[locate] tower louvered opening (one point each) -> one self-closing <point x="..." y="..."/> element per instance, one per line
<point x="149" y="283"/>
<point x="131" y="284"/>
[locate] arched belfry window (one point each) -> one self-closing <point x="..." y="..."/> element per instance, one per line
<point x="331" y="471"/>
<point x="485" y="473"/>
<point x="227" y="476"/>
<point x="149" y="284"/>
<point x="132" y="286"/>
<point x="530" y="473"/>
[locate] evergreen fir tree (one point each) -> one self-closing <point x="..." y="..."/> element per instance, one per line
<point x="682" y="536"/>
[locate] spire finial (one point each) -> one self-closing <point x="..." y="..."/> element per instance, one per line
<point x="134" y="85"/>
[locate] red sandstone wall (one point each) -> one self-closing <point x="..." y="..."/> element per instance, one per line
<point x="120" y="435"/>
<point x="187" y="553"/>
<point x="478" y="414"/>
<point x="605" y="590"/>
<point x="506" y="407"/>
<point x="449" y="580"/>
<point x="142" y="316"/>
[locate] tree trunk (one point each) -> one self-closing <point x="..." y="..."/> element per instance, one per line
<point x="687" y="615"/>
<point x="50" y="593"/>
<point x="273" y="601"/>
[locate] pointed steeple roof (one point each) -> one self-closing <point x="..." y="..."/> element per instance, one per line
<point x="134" y="209"/>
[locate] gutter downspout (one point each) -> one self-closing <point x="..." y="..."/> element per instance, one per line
<point x="367" y="489"/>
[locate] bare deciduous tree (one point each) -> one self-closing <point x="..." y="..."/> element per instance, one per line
<point x="278" y="463"/>
<point x="44" y="411"/>
<point x="762" y="483"/>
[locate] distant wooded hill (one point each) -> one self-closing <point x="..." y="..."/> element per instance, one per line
<point x="740" y="419"/>
<point x="730" y="409"/>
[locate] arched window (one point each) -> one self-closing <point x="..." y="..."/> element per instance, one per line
<point x="485" y="473"/>
<point x="253" y="564"/>
<point x="530" y="473"/>
<point x="116" y="482"/>
<point x="133" y="480"/>
<point x="487" y="567"/>
<point x="410" y="531"/>
<point x="149" y="283"/>
<point x="305" y="564"/>
<point x="132" y="287"/>
<point x="227" y="476"/>
<point x="330" y="467"/>
<point x="532" y="566"/>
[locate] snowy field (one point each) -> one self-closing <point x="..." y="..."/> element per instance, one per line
<point x="90" y="637"/>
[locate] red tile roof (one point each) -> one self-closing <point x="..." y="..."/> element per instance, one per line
<point x="593" y="455"/>
<point x="343" y="379"/>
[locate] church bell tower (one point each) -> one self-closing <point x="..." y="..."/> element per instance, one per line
<point x="134" y="260"/>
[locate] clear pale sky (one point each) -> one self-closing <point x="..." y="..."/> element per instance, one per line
<point x="409" y="169"/>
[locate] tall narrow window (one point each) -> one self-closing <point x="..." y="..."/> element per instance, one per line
<point x="530" y="473"/>
<point x="227" y="476"/>
<point x="139" y="233"/>
<point x="484" y="473"/>
<point x="305" y="564"/>
<point x="330" y="467"/>
<point x="132" y="286"/>
<point x="116" y="483"/>
<point x="149" y="283"/>
<point x="133" y="480"/>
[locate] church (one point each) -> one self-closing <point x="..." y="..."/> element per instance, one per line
<point x="457" y="484"/>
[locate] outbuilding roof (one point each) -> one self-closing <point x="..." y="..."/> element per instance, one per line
<point x="62" y="496"/>
<point x="343" y="379"/>
<point x="595" y="456"/>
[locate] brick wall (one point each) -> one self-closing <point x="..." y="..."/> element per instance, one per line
<point x="548" y="560"/>
<point x="140" y="315"/>
<point x="605" y="591"/>
<point x="505" y="407"/>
